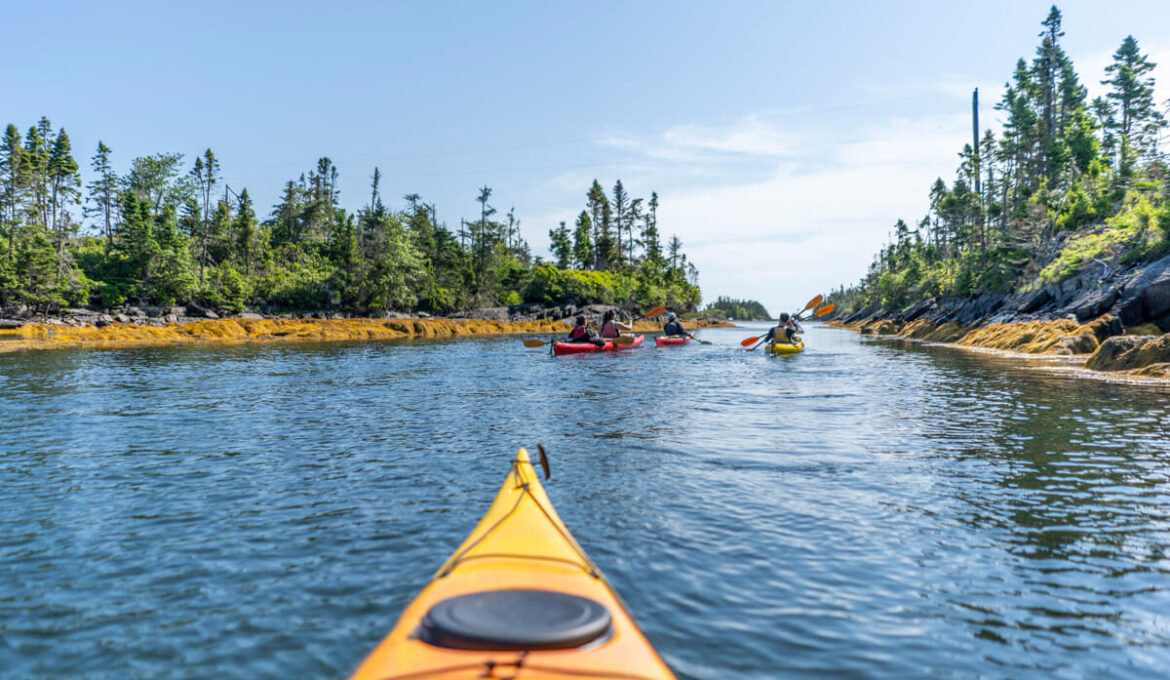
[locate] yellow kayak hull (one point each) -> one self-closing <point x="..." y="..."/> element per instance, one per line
<point x="785" y="348"/>
<point x="521" y="543"/>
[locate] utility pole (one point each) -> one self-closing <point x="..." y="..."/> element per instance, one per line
<point x="975" y="137"/>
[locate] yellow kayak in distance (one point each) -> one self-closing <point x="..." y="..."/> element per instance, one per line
<point x="518" y="599"/>
<point x="785" y="348"/>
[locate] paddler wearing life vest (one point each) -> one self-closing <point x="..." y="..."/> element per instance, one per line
<point x="583" y="333"/>
<point x="674" y="327"/>
<point x="785" y="330"/>
<point x="611" y="327"/>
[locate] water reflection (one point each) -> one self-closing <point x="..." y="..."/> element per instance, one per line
<point x="869" y="508"/>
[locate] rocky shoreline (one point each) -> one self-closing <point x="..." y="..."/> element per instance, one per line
<point x="1118" y="319"/>
<point x="147" y="326"/>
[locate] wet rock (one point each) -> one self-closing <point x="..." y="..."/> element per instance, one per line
<point x="919" y="310"/>
<point x="486" y="314"/>
<point x="1034" y="300"/>
<point x="6" y="324"/>
<point x="208" y="314"/>
<point x="1147" y="294"/>
<point x="1120" y="353"/>
<point x="1143" y="329"/>
<point x="252" y="316"/>
<point x="121" y="318"/>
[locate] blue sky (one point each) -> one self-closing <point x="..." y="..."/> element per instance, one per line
<point x="783" y="138"/>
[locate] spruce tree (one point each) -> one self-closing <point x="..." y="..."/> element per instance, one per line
<point x="1132" y="90"/>
<point x="621" y="204"/>
<point x="561" y="245"/>
<point x="205" y="173"/>
<point x="246" y="232"/>
<point x="36" y="167"/>
<point x="11" y="184"/>
<point x="583" y="253"/>
<point x="103" y="192"/>
<point x="65" y="190"/>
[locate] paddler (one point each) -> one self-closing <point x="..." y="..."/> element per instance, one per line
<point x="583" y="333"/>
<point x="787" y="328"/>
<point x="612" y="328"/>
<point x="674" y="328"/>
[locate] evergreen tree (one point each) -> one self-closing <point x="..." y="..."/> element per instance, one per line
<point x="583" y="252"/>
<point x="155" y="179"/>
<point x="12" y="176"/>
<point x="396" y="268"/>
<point x="246" y="231"/>
<point x="561" y="245"/>
<point x="103" y="193"/>
<point x="599" y="216"/>
<point x="1132" y="90"/>
<point x="36" y="166"/>
<point x="651" y="240"/>
<point x="65" y="190"/>
<point x="674" y="252"/>
<point x="621" y="204"/>
<point x="205" y="174"/>
<point x="633" y="216"/>
<point x="287" y="222"/>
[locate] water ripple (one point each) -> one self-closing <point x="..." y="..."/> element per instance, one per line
<point x="868" y="509"/>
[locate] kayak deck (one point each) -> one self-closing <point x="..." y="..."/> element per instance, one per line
<point x="785" y="348"/>
<point x="521" y="544"/>
<point x="667" y="341"/>
<point x="560" y="348"/>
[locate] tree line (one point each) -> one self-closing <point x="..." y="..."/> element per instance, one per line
<point x="170" y="232"/>
<point x="1066" y="181"/>
<point x="732" y="308"/>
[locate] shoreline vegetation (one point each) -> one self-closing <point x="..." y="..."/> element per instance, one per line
<point x="1096" y="345"/>
<point x="1054" y="236"/>
<point x="168" y="233"/>
<point x="56" y="333"/>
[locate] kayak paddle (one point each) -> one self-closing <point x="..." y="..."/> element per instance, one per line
<point x="811" y="303"/>
<point x="653" y="311"/>
<point x="821" y="311"/>
<point x="543" y="460"/>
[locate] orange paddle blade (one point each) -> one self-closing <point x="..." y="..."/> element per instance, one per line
<point x="750" y="341"/>
<point x="827" y="309"/>
<point x="534" y="343"/>
<point x="814" y="302"/>
<point x="654" y="311"/>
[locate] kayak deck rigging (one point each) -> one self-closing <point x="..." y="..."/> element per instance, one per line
<point x="519" y="598"/>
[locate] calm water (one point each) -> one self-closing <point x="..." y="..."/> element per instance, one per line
<point x="864" y="510"/>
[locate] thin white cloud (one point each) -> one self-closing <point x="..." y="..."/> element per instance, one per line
<point x="819" y="205"/>
<point x="749" y="136"/>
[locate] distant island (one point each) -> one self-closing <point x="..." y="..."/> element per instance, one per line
<point x="741" y="310"/>
<point x="170" y="232"/>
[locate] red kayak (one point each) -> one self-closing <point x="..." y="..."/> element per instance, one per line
<point x="667" y="341"/>
<point x="560" y="348"/>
